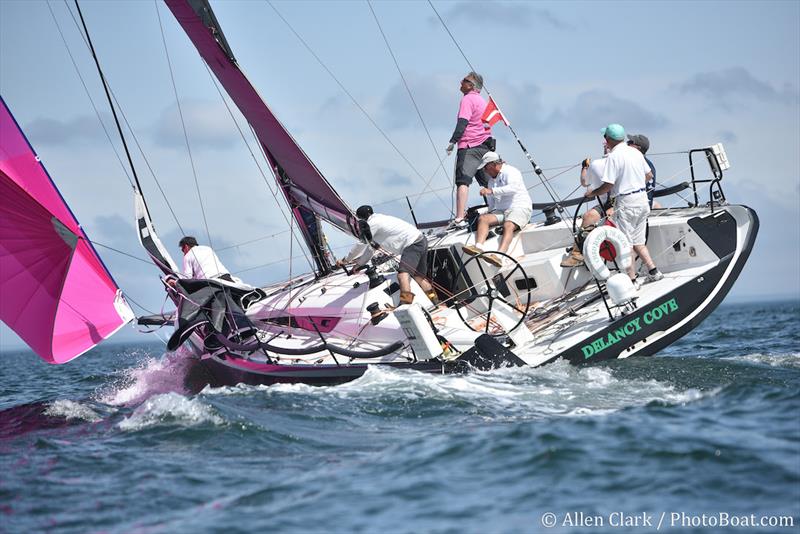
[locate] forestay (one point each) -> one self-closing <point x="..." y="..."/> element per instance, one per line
<point x="56" y="293"/>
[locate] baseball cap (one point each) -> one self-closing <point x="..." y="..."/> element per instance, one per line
<point x="488" y="158"/>
<point x="641" y="141"/>
<point x="614" y="131"/>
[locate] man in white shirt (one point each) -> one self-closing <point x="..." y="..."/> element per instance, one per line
<point x="400" y="239"/>
<point x="626" y="175"/>
<point x="509" y="205"/>
<point x="200" y="261"/>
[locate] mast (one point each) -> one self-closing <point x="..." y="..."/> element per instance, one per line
<point x="310" y="196"/>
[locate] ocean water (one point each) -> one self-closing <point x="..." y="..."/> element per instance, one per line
<point x="699" y="438"/>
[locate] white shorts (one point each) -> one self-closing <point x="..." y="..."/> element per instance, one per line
<point x="632" y="221"/>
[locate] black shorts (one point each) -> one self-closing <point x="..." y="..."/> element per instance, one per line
<point x="414" y="259"/>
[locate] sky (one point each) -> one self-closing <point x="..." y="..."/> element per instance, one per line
<point x="686" y="74"/>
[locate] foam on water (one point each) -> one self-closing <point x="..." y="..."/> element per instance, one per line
<point x="150" y="377"/>
<point x="72" y="410"/>
<point x="171" y="409"/>
<point x="558" y="389"/>
<point x="791" y="360"/>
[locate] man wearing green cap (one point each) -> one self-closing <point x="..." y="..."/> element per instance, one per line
<point x="626" y="175"/>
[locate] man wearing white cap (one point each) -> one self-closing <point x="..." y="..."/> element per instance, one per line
<point x="509" y="205"/>
<point x="626" y="175"/>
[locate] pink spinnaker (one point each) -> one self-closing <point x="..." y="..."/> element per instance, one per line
<point x="55" y="292"/>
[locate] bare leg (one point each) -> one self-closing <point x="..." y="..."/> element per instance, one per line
<point x="404" y="279"/>
<point x="643" y="253"/>
<point x="462" y="192"/>
<point x="484" y="222"/>
<point x="508" y="234"/>
<point x="423" y="283"/>
<point x="589" y="218"/>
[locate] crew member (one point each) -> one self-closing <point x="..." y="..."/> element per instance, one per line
<point x="200" y="261"/>
<point x="642" y="143"/>
<point x="626" y="176"/>
<point x="509" y="205"/>
<point x="474" y="139"/>
<point x="399" y="238"/>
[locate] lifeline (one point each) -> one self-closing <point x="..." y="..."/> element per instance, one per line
<point x="631" y="327"/>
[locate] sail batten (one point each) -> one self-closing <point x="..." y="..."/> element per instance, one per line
<point x="293" y="170"/>
<point x="56" y="293"/>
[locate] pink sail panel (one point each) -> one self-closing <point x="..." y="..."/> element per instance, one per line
<point x="299" y="178"/>
<point x="55" y="292"/>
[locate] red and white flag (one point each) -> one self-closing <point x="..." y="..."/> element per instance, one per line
<point x="492" y="114"/>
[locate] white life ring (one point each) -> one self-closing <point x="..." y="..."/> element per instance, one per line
<point x="591" y="250"/>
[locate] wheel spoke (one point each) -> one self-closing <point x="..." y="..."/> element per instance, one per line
<point x="512" y="306"/>
<point x="489" y="314"/>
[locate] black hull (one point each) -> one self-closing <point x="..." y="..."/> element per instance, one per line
<point x="721" y="238"/>
<point x="212" y="372"/>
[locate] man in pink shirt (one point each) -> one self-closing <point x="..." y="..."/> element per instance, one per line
<point x="474" y="139"/>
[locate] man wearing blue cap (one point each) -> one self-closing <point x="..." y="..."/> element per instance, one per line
<point x="626" y="175"/>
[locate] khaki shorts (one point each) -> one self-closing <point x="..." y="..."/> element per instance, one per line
<point x="632" y="221"/>
<point x="519" y="216"/>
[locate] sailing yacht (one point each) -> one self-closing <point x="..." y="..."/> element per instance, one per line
<point x="329" y="326"/>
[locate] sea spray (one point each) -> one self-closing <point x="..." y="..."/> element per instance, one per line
<point x="149" y="377"/>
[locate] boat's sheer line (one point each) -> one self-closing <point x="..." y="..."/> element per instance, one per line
<point x="416" y="108"/>
<point x="353" y="99"/>
<point x="125" y="119"/>
<point x="185" y="134"/>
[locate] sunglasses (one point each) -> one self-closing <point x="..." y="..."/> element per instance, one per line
<point x="467" y="81"/>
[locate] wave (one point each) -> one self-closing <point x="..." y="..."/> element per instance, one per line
<point x="558" y="389"/>
<point x="71" y="410"/>
<point x="791" y="360"/>
<point x="171" y="409"/>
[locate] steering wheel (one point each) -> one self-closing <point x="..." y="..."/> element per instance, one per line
<point x="491" y="288"/>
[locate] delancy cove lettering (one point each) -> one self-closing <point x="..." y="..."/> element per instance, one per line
<point x="628" y="329"/>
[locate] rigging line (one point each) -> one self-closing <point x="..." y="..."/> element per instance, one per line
<point x="86" y="89"/>
<point x="237" y="245"/>
<point x="289" y="221"/>
<point x="282" y="260"/>
<point x="352" y="98"/>
<point x="398" y="199"/>
<point x="108" y="96"/>
<point x="148" y="262"/>
<point x="130" y="129"/>
<point x="274" y="193"/>
<point x="183" y="125"/>
<point x="238" y="128"/>
<point x="534" y="186"/>
<point x="128" y="297"/>
<point x="414" y="102"/>
<point x="668" y="153"/>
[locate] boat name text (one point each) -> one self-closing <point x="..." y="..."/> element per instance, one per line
<point x="631" y="327"/>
